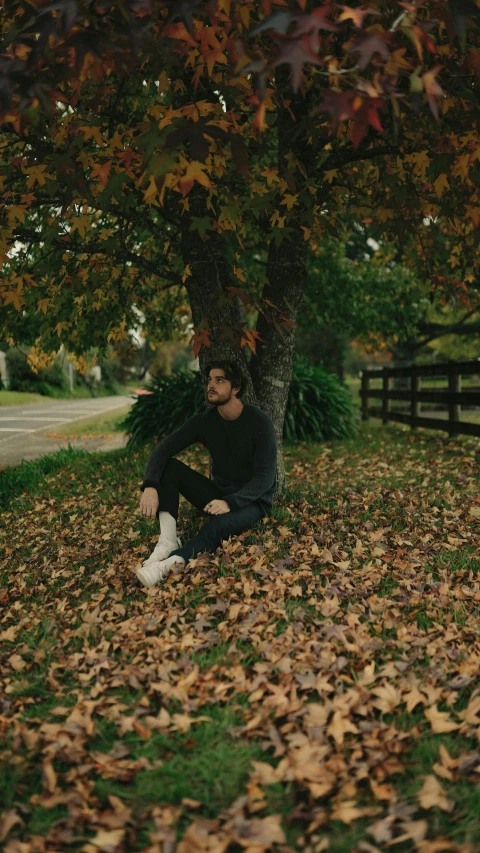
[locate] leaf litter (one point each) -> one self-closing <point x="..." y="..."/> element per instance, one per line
<point x="341" y="636"/>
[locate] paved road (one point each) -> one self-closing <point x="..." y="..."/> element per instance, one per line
<point x="23" y="428"/>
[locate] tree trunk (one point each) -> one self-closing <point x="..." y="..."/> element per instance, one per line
<point x="211" y="273"/>
<point x="404" y="355"/>
<point x="271" y="368"/>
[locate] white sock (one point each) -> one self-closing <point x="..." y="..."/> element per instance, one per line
<point x="171" y="560"/>
<point x="168" y="526"/>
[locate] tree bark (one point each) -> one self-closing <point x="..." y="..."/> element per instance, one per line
<point x="211" y="273"/>
<point x="271" y="367"/>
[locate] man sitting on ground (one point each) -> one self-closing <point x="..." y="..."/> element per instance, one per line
<point x="241" y="441"/>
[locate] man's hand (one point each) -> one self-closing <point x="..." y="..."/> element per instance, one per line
<point x="216" y="507"/>
<point x="149" y="503"/>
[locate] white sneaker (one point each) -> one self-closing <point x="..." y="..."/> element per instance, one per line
<point x="154" y="573"/>
<point x="162" y="550"/>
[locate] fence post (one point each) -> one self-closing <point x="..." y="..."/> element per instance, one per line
<point x="454" y="385"/>
<point x="385" y="398"/>
<point x="364" y="393"/>
<point x="414" y="402"/>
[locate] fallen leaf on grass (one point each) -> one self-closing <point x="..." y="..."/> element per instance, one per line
<point x="431" y="795"/>
<point x="106" y="840"/>
<point x="8" y="820"/>
<point x="440" y="721"/>
<point x="347" y="812"/>
<point x="201" y="837"/>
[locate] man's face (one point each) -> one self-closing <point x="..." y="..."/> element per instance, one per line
<point x="219" y="388"/>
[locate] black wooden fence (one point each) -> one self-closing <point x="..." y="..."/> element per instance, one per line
<point x="451" y="396"/>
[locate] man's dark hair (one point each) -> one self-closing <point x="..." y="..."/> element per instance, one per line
<point x="231" y="371"/>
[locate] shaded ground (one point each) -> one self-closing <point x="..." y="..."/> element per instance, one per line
<point x="314" y="686"/>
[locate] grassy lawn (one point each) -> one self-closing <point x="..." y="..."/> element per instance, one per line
<point x="103" y="424"/>
<point x="314" y="686"/>
<point x="20" y="398"/>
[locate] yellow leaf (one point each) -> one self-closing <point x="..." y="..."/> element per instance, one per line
<point x="13" y="297"/>
<point x="389" y="697"/>
<point x="108" y="840"/>
<point x="16" y="212"/>
<point x="17" y="663"/>
<point x="330" y="174"/>
<point x="163" y="83"/>
<point x="431" y="795"/>
<point x="440" y="185"/>
<point x="80" y="224"/>
<point x="186" y="273"/>
<point x="102" y="171"/>
<point x="239" y="273"/>
<point x="194" y="172"/>
<point x="92" y="133"/>
<point x="440" y="720"/>
<point x="339" y="727"/>
<point x="271" y="175"/>
<point x="151" y="192"/>
<point x="413" y="698"/>
<point x="346" y="812"/>
<point x="461" y="166"/>
<point x="289" y="200"/>
<point x="36" y="176"/>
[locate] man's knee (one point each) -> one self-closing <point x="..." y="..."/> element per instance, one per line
<point x="172" y="469"/>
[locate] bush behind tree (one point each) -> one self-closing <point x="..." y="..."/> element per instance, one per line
<point x="319" y="407"/>
<point x="54" y="381"/>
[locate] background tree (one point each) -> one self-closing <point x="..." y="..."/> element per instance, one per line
<point x="131" y="164"/>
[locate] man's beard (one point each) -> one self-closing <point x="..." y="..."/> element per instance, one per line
<point x="216" y="401"/>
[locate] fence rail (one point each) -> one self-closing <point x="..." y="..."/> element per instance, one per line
<point x="452" y="396"/>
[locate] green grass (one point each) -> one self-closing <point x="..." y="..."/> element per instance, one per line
<point x="20" y="398"/>
<point x="207" y="764"/>
<point x="92" y="644"/>
<point x="29" y="477"/>
<point x="103" y="424"/>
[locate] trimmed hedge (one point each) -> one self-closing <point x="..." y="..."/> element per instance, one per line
<point x="319" y="407"/>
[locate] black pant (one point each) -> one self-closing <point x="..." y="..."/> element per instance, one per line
<point x="178" y="479"/>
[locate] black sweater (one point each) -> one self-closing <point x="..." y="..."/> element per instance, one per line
<point x="243" y="453"/>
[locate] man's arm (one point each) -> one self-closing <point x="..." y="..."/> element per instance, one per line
<point x="182" y="438"/>
<point x="265" y="466"/>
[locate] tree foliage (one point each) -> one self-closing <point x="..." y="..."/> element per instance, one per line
<point x="130" y="130"/>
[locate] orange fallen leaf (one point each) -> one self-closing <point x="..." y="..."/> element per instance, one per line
<point x="432" y="795"/>
<point x="440" y="720"/>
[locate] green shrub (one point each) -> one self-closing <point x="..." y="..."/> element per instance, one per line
<point x="319" y="407"/>
<point x="51" y="382"/>
<point x="173" y="400"/>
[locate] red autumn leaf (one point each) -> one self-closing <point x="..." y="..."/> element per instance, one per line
<point x="240" y="293"/>
<point x="338" y="104"/>
<point x="368" y="45"/>
<point x="250" y="338"/>
<point x="201" y="338"/>
<point x="432" y="88"/>
<point x="295" y="52"/>
<point x="314" y="22"/>
<point x="179" y="31"/>
<point x="363" y="117"/>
